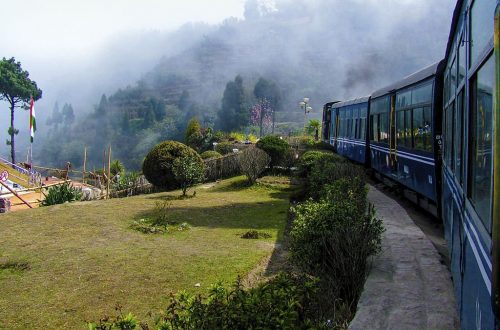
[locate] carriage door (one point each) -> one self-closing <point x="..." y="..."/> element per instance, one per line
<point x="392" y="134"/>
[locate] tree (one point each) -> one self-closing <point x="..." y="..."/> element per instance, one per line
<point x="188" y="171"/>
<point x="194" y="136"/>
<point x="233" y="114"/>
<point x="68" y="115"/>
<point x="253" y="162"/>
<point x="261" y="115"/>
<point x="17" y="89"/>
<point x="314" y="127"/>
<point x="268" y="91"/>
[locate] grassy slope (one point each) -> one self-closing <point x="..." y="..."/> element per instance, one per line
<point x="84" y="258"/>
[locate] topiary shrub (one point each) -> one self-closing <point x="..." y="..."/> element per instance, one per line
<point x="275" y="147"/>
<point x="210" y="154"/>
<point x="157" y="166"/>
<point x="224" y="148"/>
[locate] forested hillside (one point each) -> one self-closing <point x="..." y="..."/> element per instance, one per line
<point x="319" y="49"/>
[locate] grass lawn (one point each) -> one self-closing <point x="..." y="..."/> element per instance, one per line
<point x="77" y="261"/>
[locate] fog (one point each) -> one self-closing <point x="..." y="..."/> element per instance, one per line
<point x="323" y="49"/>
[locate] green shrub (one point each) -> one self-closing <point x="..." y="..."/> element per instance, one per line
<point x="61" y="194"/>
<point x="253" y="162"/>
<point x="320" y="145"/>
<point x="333" y="238"/>
<point x="224" y="148"/>
<point x="210" y="154"/>
<point x="285" y="302"/>
<point x="116" y="167"/>
<point x="188" y="171"/>
<point x="309" y="158"/>
<point x="275" y="147"/>
<point x="157" y="166"/>
<point x="324" y="171"/>
<point x="236" y="136"/>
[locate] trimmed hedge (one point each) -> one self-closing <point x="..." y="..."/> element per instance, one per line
<point x="157" y="166"/>
<point x="210" y="154"/>
<point x="275" y="147"/>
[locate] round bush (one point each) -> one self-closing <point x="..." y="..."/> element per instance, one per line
<point x="157" y="166"/>
<point x="275" y="147"/>
<point x="210" y="154"/>
<point x="309" y="158"/>
<point x="224" y="148"/>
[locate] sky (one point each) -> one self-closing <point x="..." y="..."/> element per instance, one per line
<point x="75" y="28"/>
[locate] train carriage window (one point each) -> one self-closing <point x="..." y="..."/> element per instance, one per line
<point x="453" y="79"/>
<point x="448" y="141"/>
<point x="481" y="144"/>
<point x="481" y="29"/>
<point x="383" y="127"/>
<point x="458" y="141"/>
<point x="374" y="132"/>
<point x="418" y="127"/>
<point x="461" y="61"/>
<point x="408" y="130"/>
<point x="403" y="100"/>
<point x="400" y="128"/>
<point x="427" y="129"/>
<point x="446" y="95"/>
<point x="362" y="129"/>
<point x="422" y="130"/>
<point x="422" y="94"/>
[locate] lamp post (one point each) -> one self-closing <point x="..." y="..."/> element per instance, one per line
<point x="304" y="105"/>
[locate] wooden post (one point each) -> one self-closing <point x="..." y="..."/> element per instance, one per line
<point x="15" y="194"/>
<point x="84" y="163"/>
<point x="109" y="171"/>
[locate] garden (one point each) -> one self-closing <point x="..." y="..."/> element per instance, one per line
<point x="229" y="243"/>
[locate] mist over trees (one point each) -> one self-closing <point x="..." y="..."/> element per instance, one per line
<point x="323" y="49"/>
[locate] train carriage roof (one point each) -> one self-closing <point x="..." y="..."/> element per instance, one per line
<point x="358" y="100"/>
<point x="414" y="78"/>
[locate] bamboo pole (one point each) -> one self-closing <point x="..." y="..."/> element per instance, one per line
<point x="109" y="171"/>
<point x="16" y="194"/>
<point x="84" y="163"/>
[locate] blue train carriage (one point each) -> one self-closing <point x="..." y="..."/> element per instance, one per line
<point x="348" y="128"/>
<point x="471" y="186"/>
<point x="405" y="134"/>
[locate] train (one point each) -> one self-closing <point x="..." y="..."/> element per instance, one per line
<point x="436" y="134"/>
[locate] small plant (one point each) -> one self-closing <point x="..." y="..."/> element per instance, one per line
<point x="224" y="148"/>
<point x="210" y="154"/>
<point x="184" y="226"/>
<point x="254" y="234"/>
<point x="188" y="171"/>
<point x="121" y="322"/>
<point x="236" y="136"/>
<point x="15" y="266"/>
<point x="253" y="162"/>
<point x="61" y="194"/>
<point x="145" y="226"/>
<point x="116" y="167"/>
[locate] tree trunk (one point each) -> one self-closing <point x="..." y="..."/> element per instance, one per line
<point x="12" y="133"/>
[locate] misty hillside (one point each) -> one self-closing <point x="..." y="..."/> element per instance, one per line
<point x="323" y="49"/>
